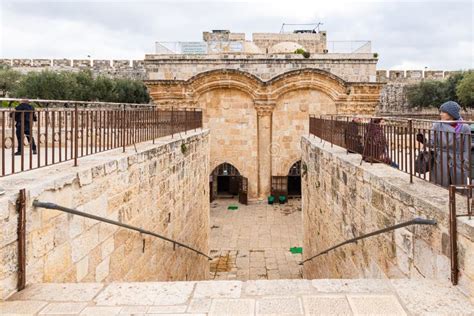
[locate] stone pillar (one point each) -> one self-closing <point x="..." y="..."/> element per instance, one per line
<point x="264" y="123"/>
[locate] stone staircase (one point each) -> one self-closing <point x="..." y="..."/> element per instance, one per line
<point x="259" y="297"/>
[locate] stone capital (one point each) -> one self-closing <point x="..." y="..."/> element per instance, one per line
<point x="264" y="109"/>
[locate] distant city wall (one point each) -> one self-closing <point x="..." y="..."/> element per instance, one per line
<point x="132" y="69"/>
<point x="393" y="95"/>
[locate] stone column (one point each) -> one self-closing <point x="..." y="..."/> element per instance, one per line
<point x="264" y="123"/>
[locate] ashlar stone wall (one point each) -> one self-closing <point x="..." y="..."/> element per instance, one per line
<point x="343" y="199"/>
<point x="161" y="188"/>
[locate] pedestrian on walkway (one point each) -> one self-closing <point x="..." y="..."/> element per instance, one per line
<point x="450" y="145"/>
<point x="24" y="117"/>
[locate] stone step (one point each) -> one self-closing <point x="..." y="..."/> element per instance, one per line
<point x="259" y="297"/>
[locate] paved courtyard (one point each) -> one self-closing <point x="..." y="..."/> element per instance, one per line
<point x="254" y="241"/>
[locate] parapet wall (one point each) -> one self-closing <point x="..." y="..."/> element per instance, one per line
<point x="343" y="199"/>
<point x="412" y="76"/>
<point x="161" y="188"/>
<point x="133" y="69"/>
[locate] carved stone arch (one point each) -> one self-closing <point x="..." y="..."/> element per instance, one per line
<point x="225" y="79"/>
<point x="217" y="163"/>
<point x="308" y="78"/>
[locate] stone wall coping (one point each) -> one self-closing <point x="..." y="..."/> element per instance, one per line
<point x="422" y="194"/>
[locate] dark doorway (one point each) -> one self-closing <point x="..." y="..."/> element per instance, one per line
<point x="294" y="180"/>
<point x="224" y="181"/>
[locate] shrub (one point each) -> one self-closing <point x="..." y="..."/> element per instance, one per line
<point x="299" y="51"/>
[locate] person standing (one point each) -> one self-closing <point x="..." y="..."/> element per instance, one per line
<point x="451" y="146"/>
<point x="24" y="117"/>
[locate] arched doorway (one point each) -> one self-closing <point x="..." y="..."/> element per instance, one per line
<point x="294" y="180"/>
<point x="225" y="181"/>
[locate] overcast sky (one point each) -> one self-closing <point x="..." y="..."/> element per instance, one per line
<point x="405" y="34"/>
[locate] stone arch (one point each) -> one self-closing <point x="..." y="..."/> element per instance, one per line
<point x="308" y="78"/>
<point x="217" y="163"/>
<point x="225" y="79"/>
<point x="290" y="163"/>
<point x="225" y="183"/>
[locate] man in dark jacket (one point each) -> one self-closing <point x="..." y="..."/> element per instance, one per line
<point x="24" y="117"/>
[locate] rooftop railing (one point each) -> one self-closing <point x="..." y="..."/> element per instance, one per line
<point x="230" y="47"/>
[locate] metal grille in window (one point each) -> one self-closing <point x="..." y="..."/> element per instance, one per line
<point x="295" y="170"/>
<point x="226" y="169"/>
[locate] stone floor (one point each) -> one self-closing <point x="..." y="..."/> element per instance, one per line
<point x="257" y="297"/>
<point x="254" y="241"/>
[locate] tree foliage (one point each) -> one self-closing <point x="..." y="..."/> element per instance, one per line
<point x="8" y="80"/>
<point x="432" y="93"/>
<point x="81" y="86"/>
<point x="465" y="90"/>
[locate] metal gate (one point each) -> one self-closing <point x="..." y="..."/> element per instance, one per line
<point x="243" y="190"/>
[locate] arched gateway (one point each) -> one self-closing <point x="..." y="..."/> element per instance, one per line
<point x="226" y="181"/>
<point x="257" y="124"/>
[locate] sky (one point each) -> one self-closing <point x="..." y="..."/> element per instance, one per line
<point x="438" y="35"/>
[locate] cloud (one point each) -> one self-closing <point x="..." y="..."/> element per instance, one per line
<point x="405" y="34"/>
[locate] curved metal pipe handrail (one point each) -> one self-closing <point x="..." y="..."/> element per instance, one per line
<point x="416" y="221"/>
<point x="53" y="206"/>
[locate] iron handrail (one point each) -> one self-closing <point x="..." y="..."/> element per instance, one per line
<point x="53" y="206"/>
<point x="416" y="221"/>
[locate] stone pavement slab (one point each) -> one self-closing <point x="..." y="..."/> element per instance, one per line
<point x="366" y="304"/>
<point x="326" y="305"/>
<point x="76" y="292"/>
<point x="232" y="306"/>
<point x="279" y="306"/>
<point x="145" y="293"/>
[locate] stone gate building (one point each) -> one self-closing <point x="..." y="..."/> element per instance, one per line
<point x="256" y="96"/>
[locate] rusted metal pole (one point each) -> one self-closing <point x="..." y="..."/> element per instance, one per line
<point x="453" y="235"/>
<point x="21" y="206"/>
<point x="412" y="147"/>
<point x="76" y="134"/>
<point x="123" y="128"/>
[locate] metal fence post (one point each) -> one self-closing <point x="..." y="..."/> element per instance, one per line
<point x="21" y="206"/>
<point x="453" y="235"/>
<point x="123" y="128"/>
<point x="76" y="134"/>
<point x="411" y="148"/>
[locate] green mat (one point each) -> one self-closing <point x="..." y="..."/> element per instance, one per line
<point x="296" y="250"/>
<point x="232" y="207"/>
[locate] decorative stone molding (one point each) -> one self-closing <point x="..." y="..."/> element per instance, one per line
<point x="263" y="110"/>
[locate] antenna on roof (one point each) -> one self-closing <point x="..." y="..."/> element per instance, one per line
<point x="315" y="28"/>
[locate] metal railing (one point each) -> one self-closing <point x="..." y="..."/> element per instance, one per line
<point x="175" y="243"/>
<point x="453" y="224"/>
<point x="202" y="48"/>
<point x="36" y="138"/>
<point x="416" y="221"/>
<point x="425" y="149"/>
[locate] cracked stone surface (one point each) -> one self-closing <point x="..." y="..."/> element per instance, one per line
<point x="257" y="297"/>
<point x="254" y="241"/>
